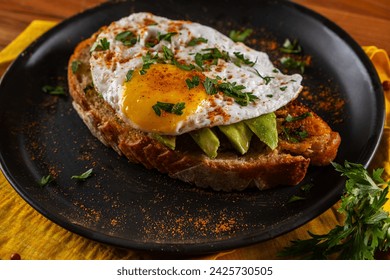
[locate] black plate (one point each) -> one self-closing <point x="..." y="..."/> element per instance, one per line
<point x="128" y="206"/>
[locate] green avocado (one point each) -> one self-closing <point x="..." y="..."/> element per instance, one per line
<point x="206" y="140"/>
<point x="264" y="127"/>
<point x="167" y="140"/>
<point x="239" y="136"/>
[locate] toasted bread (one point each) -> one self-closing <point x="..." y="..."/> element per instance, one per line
<point x="260" y="166"/>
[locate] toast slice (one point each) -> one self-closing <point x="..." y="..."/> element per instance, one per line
<point x="260" y="167"/>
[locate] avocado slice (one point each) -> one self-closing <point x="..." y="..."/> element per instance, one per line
<point x="206" y="140"/>
<point x="167" y="140"/>
<point x="239" y="136"/>
<point x="264" y="127"/>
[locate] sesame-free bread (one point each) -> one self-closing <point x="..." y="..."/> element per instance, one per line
<point x="260" y="166"/>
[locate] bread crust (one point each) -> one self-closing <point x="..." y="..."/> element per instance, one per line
<point x="260" y="167"/>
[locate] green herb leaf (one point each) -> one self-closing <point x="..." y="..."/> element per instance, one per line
<point x="75" y="66"/>
<point x="128" y="38"/>
<point x="184" y="67"/>
<point x="84" y="175"/>
<point x="291" y="63"/>
<point x="194" y="82"/>
<point x="166" y="36"/>
<point x="196" y="41"/>
<point x="54" y="90"/>
<point x="168" y="54"/>
<point x="176" y="109"/>
<point x="366" y="228"/>
<point x="101" y="45"/>
<point x="236" y="92"/>
<point x="303" y="116"/>
<point x="244" y="60"/>
<point x="210" y="86"/>
<point x="291" y="47"/>
<point x="147" y="60"/>
<point x="240" y="36"/>
<point x="45" y="180"/>
<point x="283" y="88"/>
<point x="267" y="79"/>
<point x="129" y="75"/>
<point x="295" y="198"/>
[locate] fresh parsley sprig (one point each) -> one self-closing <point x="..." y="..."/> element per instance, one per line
<point x="101" y="45"/>
<point x="366" y="228"/>
<point x="54" y="90"/>
<point x="128" y="38"/>
<point x="291" y="46"/>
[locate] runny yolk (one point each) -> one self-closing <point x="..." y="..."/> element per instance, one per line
<point x="161" y="83"/>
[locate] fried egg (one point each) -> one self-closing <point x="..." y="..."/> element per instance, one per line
<point x="174" y="76"/>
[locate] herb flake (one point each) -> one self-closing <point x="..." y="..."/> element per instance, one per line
<point x="172" y="108"/>
<point x="240" y="36"/>
<point x="83" y="176"/>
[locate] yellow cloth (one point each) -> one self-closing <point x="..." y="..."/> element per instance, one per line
<point x="23" y="230"/>
<point x="32" y="32"/>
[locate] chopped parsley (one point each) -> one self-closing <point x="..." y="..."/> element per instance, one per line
<point x="242" y="59"/>
<point x="211" y="86"/>
<point x="283" y="88"/>
<point x="166" y="37"/>
<point x="129" y="75"/>
<point x="240" y="36"/>
<point x="291" y="47"/>
<point x="194" y="82"/>
<point x="267" y="79"/>
<point x="168" y="54"/>
<point x="83" y="176"/>
<point x="291" y="63"/>
<point x="290" y="118"/>
<point x="101" y="45"/>
<point x="184" y="67"/>
<point x="128" y="38"/>
<point x="75" y="66"/>
<point x="172" y="108"/>
<point x="236" y="92"/>
<point x="147" y="60"/>
<point x="54" y="90"/>
<point x="295" y="198"/>
<point x="196" y="41"/>
<point x="45" y="180"/>
<point x="295" y="136"/>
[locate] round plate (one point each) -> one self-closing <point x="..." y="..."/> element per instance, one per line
<point x="127" y="205"/>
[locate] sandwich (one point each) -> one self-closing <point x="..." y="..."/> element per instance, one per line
<point x="183" y="98"/>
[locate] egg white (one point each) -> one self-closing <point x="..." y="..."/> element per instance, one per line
<point x="109" y="69"/>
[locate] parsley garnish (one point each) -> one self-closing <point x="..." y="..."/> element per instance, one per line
<point x="214" y="54"/>
<point x="236" y="91"/>
<point x="75" y="66"/>
<point x="184" y="67"/>
<point x="290" y="118"/>
<point x="267" y="79"/>
<point x="45" y="180"/>
<point x="210" y="85"/>
<point x="291" y="63"/>
<point x="240" y="36"/>
<point x="295" y="198"/>
<point x="129" y="75"/>
<point x="192" y="83"/>
<point x="167" y="36"/>
<point x="283" y="88"/>
<point x="101" y="45"/>
<point x="295" y="136"/>
<point x="176" y="109"/>
<point x="196" y="41"/>
<point x="128" y="38"/>
<point x="168" y="54"/>
<point x="54" y="90"/>
<point x="291" y="47"/>
<point x="83" y="176"/>
<point x="366" y="228"/>
<point x="241" y="58"/>
<point x="148" y="60"/>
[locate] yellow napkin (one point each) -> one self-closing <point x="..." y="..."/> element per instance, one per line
<point x="32" y="32"/>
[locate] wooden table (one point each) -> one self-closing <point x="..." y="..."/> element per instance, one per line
<point x="368" y="22"/>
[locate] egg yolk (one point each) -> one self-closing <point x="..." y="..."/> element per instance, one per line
<point x="161" y="83"/>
